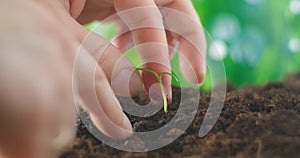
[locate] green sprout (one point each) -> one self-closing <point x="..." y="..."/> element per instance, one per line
<point x="159" y="78"/>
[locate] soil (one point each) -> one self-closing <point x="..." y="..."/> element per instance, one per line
<point x="257" y="122"/>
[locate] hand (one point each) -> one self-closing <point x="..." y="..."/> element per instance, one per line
<point x="51" y="88"/>
<point x="37" y="114"/>
<point x="192" y="43"/>
<point x="191" y="39"/>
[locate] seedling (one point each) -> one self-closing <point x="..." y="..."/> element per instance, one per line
<point x="159" y="78"/>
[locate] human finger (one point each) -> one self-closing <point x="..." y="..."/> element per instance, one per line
<point x="192" y="44"/>
<point x="36" y="92"/>
<point x="145" y="22"/>
<point x="98" y="98"/>
<point x="114" y="64"/>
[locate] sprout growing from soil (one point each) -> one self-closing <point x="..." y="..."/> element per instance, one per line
<point x="159" y="78"/>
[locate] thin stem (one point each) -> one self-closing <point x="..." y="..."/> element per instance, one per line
<point x="159" y="78"/>
<point x="163" y="94"/>
<point x="150" y="71"/>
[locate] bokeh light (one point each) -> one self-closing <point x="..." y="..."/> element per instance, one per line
<point x="226" y="27"/>
<point x="248" y="48"/>
<point x="258" y="40"/>
<point x="217" y="50"/>
<point x="294" y="45"/>
<point x="295" y="6"/>
<point x="253" y="2"/>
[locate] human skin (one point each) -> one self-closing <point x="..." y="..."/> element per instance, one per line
<point x="39" y="42"/>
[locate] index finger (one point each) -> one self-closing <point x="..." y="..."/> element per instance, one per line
<point x="144" y="20"/>
<point x="192" y="38"/>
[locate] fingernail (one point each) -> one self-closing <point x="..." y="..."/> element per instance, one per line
<point x="121" y="130"/>
<point x="155" y="94"/>
<point x="118" y="103"/>
<point x="126" y="129"/>
<point x="143" y="96"/>
<point x="136" y="84"/>
<point x="174" y="48"/>
<point x="169" y="95"/>
<point x="169" y="99"/>
<point x="127" y="83"/>
<point x="194" y="75"/>
<point x="203" y="73"/>
<point x="126" y="124"/>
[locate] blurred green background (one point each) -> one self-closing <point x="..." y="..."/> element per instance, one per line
<point x="258" y="40"/>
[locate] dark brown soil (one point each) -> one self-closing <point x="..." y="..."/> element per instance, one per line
<point x="257" y="122"/>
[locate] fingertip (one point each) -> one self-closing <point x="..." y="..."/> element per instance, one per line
<point x="195" y="73"/>
<point x="169" y="96"/>
<point x="155" y="94"/>
<point x="116" y="131"/>
<point x="136" y="84"/>
<point x="127" y="127"/>
<point x="202" y="75"/>
<point x="168" y="88"/>
<point x="127" y="83"/>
